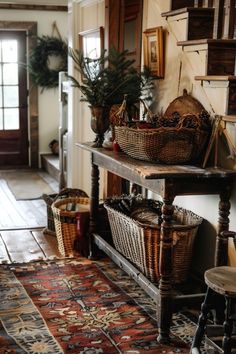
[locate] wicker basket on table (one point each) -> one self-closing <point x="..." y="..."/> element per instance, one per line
<point x="139" y="241"/>
<point x="169" y="145"/>
<point x="178" y="136"/>
<point x="65" y="213"/>
<point x="50" y="198"/>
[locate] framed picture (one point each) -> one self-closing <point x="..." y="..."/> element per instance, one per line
<point x="154" y="51"/>
<point x="92" y="42"/>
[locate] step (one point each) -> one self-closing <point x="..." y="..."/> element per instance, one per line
<point x="220" y="54"/>
<point x="50" y="163"/>
<point x="200" y="21"/>
<point x="178" y="4"/>
<point x="227" y="85"/>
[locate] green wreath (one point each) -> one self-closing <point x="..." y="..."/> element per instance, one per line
<point x="42" y="74"/>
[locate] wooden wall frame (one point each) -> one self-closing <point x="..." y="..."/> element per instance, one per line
<point x="31" y="30"/>
<point x="154" y="50"/>
<point x="91" y="42"/>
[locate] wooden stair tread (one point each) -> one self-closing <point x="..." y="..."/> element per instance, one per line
<point x="216" y="77"/>
<point x="222" y="280"/>
<point x="230" y="119"/>
<point x="219" y="42"/>
<point x="198" y="10"/>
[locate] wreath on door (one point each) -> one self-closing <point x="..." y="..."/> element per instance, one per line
<point x="47" y="59"/>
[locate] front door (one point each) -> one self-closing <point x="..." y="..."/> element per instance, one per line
<point x="13" y="100"/>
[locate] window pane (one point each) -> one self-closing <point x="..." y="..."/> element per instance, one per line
<point x="0" y="74"/>
<point x="1" y="119"/>
<point x="11" y="118"/>
<point x="11" y="96"/>
<point x="1" y="105"/>
<point x="9" y="50"/>
<point x="10" y="74"/>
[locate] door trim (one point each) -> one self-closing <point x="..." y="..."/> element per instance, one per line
<point x="31" y="30"/>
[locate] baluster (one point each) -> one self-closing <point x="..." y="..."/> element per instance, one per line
<point x="209" y="3"/>
<point x="229" y="19"/>
<point x="218" y="19"/>
<point x="198" y="3"/>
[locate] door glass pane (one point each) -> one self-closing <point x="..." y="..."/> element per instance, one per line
<point x="11" y="118"/>
<point x="11" y="96"/>
<point x="1" y="105"/>
<point x="9" y="50"/>
<point x="0" y="74"/>
<point x="10" y="74"/>
<point x="1" y="119"/>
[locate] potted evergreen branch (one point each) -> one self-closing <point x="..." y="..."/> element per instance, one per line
<point x="105" y="81"/>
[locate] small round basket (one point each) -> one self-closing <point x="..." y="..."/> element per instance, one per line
<point x="51" y="198"/>
<point x="65" y="214"/>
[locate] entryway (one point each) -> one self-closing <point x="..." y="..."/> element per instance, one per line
<point x="13" y="100"/>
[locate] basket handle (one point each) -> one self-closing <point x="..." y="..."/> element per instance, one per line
<point x="70" y="192"/>
<point x="194" y="118"/>
<point x="147" y="112"/>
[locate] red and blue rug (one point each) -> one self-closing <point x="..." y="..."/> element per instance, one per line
<point x="80" y="307"/>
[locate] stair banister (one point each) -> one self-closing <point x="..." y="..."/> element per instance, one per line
<point x="229" y="20"/>
<point x="218" y="19"/>
<point x="198" y="3"/>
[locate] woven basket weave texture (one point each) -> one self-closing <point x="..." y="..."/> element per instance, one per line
<point x="51" y="198"/>
<point x="140" y="243"/>
<point x="66" y="223"/>
<point x="162" y="145"/>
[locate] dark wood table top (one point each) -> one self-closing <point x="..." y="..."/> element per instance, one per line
<point x="147" y="170"/>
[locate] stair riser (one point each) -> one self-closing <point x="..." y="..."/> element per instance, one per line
<point x="178" y="4"/>
<point x="232" y="99"/>
<point x="221" y="60"/>
<point x="200" y="25"/>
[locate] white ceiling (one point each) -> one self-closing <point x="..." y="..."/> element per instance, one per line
<point x="36" y="2"/>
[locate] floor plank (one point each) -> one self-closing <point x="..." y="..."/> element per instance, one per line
<point x="48" y="244"/>
<point x="21" y="246"/>
<point x="4" y="257"/>
<point x="20" y="214"/>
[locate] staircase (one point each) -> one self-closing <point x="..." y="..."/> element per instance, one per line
<point x="50" y="164"/>
<point x="210" y="27"/>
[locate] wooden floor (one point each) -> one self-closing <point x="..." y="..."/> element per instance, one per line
<point x="21" y="225"/>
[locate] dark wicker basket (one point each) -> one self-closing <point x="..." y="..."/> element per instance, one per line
<point x="66" y="222"/>
<point x="163" y="145"/>
<point x="49" y="199"/>
<point x="140" y="242"/>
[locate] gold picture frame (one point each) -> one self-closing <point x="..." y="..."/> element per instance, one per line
<point x="91" y="42"/>
<point x="153" y="41"/>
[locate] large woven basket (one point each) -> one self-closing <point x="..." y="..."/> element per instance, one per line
<point x="162" y="145"/>
<point x="51" y="198"/>
<point x="66" y="222"/>
<point x="140" y="242"/>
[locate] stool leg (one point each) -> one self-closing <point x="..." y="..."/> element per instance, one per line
<point x="202" y="320"/>
<point x="228" y="326"/>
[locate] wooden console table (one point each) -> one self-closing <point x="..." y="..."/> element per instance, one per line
<point x="167" y="181"/>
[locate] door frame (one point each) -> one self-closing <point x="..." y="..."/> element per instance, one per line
<point x="33" y="119"/>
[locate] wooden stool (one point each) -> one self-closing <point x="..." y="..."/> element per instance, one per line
<point x="220" y="297"/>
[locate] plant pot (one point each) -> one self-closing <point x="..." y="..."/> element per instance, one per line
<point x="99" y="123"/>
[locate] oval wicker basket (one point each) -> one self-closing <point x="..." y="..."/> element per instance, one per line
<point x="162" y="145"/>
<point x="50" y="198"/>
<point x="66" y="222"/>
<point x="140" y="242"/>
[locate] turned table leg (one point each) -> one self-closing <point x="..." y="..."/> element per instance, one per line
<point x="94" y="204"/>
<point x="164" y="306"/>
<point x="223" y="225"/>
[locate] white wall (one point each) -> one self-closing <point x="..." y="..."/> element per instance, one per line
<point x="191" y="64"/>
<point x="48" y="99"/>
<point x="83" y="15"/>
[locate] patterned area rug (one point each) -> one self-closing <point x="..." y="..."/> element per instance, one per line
<point x="79" y="306"/>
